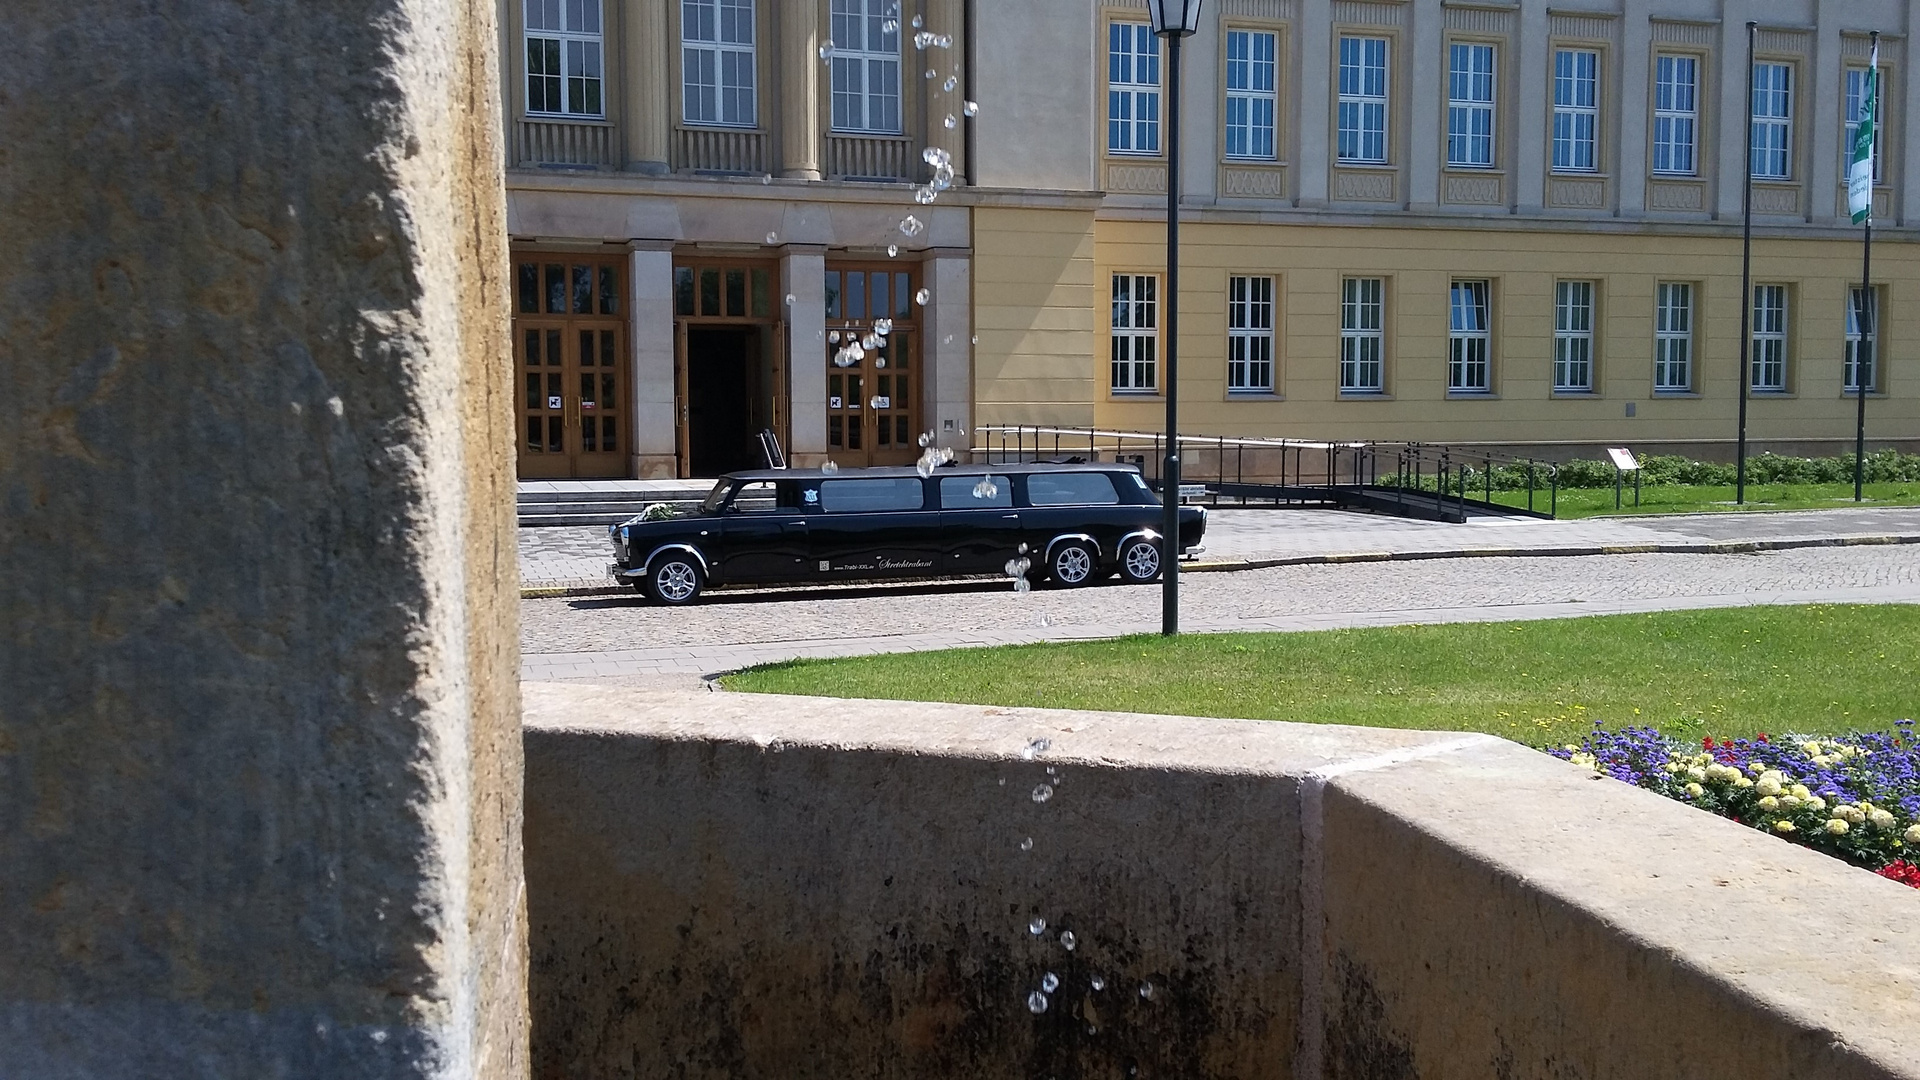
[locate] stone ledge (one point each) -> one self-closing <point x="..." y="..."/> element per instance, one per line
<point x="756" y="885"/>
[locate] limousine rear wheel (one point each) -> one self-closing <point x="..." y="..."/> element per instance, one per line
<point x="1140" y="561"/>
<point x="1072" y="563"/>
<point x="674" y="578"/>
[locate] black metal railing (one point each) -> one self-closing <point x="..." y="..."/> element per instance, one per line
<point x="1409" y="478"/>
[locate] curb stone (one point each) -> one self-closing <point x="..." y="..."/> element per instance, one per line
<point x="1216" y="566"/>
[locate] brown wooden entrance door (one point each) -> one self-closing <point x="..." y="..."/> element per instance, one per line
<point x="873" y="407"/>
<point x="570" y="359"/>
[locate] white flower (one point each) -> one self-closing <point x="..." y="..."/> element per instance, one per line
<point x="1769" y="803"/>
<point x="1913" y="834"/>
<point x="1783" y="826"/>
<point x="1838" y="826"/>
<point x="1696" y="774"/>
<point x="1789" y="801"/>
<point x="1741" y="781"/>
<point x="1695" y="790"/>
<point x="1800" y="790"/>
<point x="1768" y="784"/>
<point x="1881" y="819"/>
<point x="1815" y="802"/>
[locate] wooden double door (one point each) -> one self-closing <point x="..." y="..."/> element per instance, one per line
<point x="873" y="413"/>
<point x="571" y="367"/>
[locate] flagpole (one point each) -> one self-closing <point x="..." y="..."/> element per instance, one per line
<point x="1746" y="288"/>
<point x="1863" y="359"/>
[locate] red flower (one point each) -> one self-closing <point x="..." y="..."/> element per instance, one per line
<point x="1901" y="871"/>
<point x="1706" y="743"/>
<point x="1763" y="737"/>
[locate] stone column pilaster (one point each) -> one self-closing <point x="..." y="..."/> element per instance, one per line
<point x="645" y="101"/>
<point x="803" y="273"/>
<point x="651" y="347"/>
<point x="947" y="384"/>
<point x="801" y="73"/>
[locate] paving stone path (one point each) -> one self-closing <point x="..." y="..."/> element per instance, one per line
<point x="624" y="639"/>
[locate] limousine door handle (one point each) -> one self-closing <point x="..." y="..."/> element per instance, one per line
<point x="794" y="526"/>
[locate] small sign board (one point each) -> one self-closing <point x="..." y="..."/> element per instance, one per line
<point x="883" y="403"/>
<point x="553" y="403"/>
<point x="1623" y="458"/>
<point x="1193" y="491"/>
<point x="833" y="403"/>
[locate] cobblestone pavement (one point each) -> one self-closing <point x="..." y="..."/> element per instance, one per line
<point x="622" y="637"/>
<point x="576" y="557"/>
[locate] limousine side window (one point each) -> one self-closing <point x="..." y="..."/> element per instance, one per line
<point x="765" y="496"/>
<point x="865" y="496"/>
<point x="1071" y="489"/>
<point x="976" y="492"/>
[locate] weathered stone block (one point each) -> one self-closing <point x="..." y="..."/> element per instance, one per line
<point x="259" y="744"/>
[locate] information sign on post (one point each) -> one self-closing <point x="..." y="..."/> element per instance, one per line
<point x="1623" y="463"/>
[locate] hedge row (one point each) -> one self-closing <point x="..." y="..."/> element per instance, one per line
<point x="1885" y="466"/>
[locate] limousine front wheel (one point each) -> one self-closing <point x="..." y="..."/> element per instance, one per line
<point x="1140" y="561"/>
<point x="1072" y="563"/>
<point x="674" y="578"/>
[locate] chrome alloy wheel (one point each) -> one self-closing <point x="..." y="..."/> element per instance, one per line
<point x="676" y="581"/>
<point x="1072" y="564"/>
<point x="1141" y="562"/>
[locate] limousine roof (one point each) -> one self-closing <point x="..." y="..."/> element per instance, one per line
<point x="1009" y="469"/>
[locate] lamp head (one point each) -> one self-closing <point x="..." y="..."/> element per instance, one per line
<point x="1174" y="18"/>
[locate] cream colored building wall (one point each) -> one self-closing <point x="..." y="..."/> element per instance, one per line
<point x="1419" y="265"/>
<point x="1034" y="315"/>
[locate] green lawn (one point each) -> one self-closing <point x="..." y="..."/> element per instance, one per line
<point x="1692" y="673"/>
<point x="1697" y="499"/>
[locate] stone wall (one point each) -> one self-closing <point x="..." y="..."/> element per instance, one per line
<point x="746" y="886"/>
<point x="259" y="743"/>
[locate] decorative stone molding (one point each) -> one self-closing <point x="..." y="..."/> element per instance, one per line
<point x="1146" y="178"/>
<point x="1258" y="9"/>
<point x="1677" y="195"/>
<point x="1790" y="42"/>
<point x="1593" y="27"/>
<point x="1577" y="192"/>
<point x="1367" y="186"/>
<point x="1776" y="198"/>
<point x="1362" y="13"/>
<point x="1254" y="181"/>
<point x="1682" y="33"/>
<point x="1473" y="190"/>
<point x="719" y="150"/>
<point x="1475" y="20"/>
<point x="879" y="156"/>
<point x="564" y="142"/>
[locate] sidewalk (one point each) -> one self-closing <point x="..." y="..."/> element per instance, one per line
<point x="573" y="561"/>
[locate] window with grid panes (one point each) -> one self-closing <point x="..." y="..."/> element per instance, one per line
<point x="1470" y="106"/>
<point x="1769" y="356"/>
<point x="1362" y="335"/>
<point x="1362" y="107"/>
<point x="1673" y="338"/>
<point x="1135" y="333"/>
<point x="564" y="58"/>
<point x="1676" y="87"/>
<point x="1576" y="110"/>
<point x="717" y="62"/>
<point x="865" y="65"/>
<point x="1772" y="130"/>
<point x="1133" y="89"/>
<point x="1860" y="353"/>
<point x="1856" y="94"/>
<point x="1468" y="340"/>
<point x="1573" y="337"/>
<point x="1249" y="335"/>
<point x="1252" y="93"/>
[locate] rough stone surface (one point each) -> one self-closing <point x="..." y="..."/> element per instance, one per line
<point x="259" y="813"/>
<point x="755" y="886"/>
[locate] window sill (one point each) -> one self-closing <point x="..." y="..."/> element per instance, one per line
<point x="1364" y="395"/>
<point x="1269" y="395"/>
<point x="566" y="118"/>
<point x="1576" y="395"/>
<point x="1580" y="174"/>
<point x="1472" y="395"/>
<point x="1770" y="394"/>
<point x="1271" y="163"/>
<point x="897" y="135"/>
<point x="1135" y="395"/>
<point x="1135" y="155"/>
<point x="1676" y="394"/>
<point x="1381" y="165"/>
<point x="703" y="125"/>
<point x="1475" y="170"/>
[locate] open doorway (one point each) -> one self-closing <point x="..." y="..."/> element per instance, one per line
<point x="725" y="384"/>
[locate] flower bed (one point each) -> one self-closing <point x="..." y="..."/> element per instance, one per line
<point x="1856" y="797"/>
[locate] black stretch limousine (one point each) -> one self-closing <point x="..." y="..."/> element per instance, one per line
<point x="1074" y="523"/>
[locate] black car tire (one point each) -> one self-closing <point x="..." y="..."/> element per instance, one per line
<point x="674" y="578"/>
<point x="1073" y="564"/>
<point x="1140" y="561"/>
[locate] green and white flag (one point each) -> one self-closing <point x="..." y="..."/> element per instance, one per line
<point x="1860" y="170"/>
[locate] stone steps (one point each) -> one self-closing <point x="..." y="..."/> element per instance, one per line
<point x="602" y="502"/>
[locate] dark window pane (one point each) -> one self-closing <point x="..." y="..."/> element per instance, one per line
<point x="902" y="298"/>
<point x="900" y="350"/>
<point x="879" y="306"/>
<point x="883" y="386"/>
<point x="853" y="431"/>
<point x="553" y="390"/>
<point x="901" y="422"/>
<point x="833" y="294"/>
<point x="609" y="291"/>
<point x="587" y="351"/>
<point x="607" y="400"/>
<point x="883" y="433"/>
<point x="736" y="292"/>
<point x="533" y="434"/>
<point x="590" y="436"/>
<point x="554" y="435"/>
<point x="529" y="287"/>
<point x="553" y="349"/>
<point x="900" y="388"/>
<point x="607" y="427"/>
<point x="833" y="430"/>
<point x="587" y="384"/>
<point x="762" y="298"/>
<point x="856" y="298"/>
<point x="533" y="348"/>
<point x="533" y="391"/>
<point x="606" y="349"/>
<point x="556" y="289"/>
<point x="709" y="291"/>
<point x="583" y="290"/>
<point x="833" y="388"/>
<point x="683" y="290"/>
<point x="853" y="393"/>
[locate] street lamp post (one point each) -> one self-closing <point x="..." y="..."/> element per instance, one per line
<point x="1173" y="20"/>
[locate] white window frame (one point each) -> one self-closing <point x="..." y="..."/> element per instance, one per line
<point x="1576" y="110"/>
<point x="1363" y="308"/>
<point x="1250" y="317"/>
<point x="1851" y="96"/>
<point x="1472" y="69"/>
<point x="1362" y="117"/>
<point x="1770" y="134"/>
<point x="1848" y="370"/>
<point x="1676" y="115"/>
<point x="718" y="77"/>
<point x="1135" y="323"/>
<point x="864" y="67"/>
<point x="1673" y="338"/>
<point x="1767" y="362"/>
<point x="567" y="34"/>
<point x="1470" y="336"/>
<point x="1253" y="95"/>
<point x="1573" y="318"/>
<point x="1133" y="90"/>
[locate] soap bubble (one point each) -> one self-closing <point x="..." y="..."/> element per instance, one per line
<point x="930" y="73"/>
<point x="1097" y="983"/>
<point x="916" y="22"/>
<point x="1050" y="982"/>
<point x="890" y="26"/>
<point x="830" y="467"/>
<point x="1067" y="941"/>
<point x="1027" y="844"/>
<point x="926" y="439"/>
<point x="893" y="250"/>
<point x="883" y="327"/>
<point x="1038" y="926"/>
<point x="920" y="297"/>
<point x="833" y="337"/>
<point x="879" y="361"/>
<point x="1036" y="1003"/>
<point x="923" y="39"/>
<point x="971" y="108"/>
<point x="911" y="226"/>
<point x="1042" y="792"/>
<point x="943" y="41"/>
<point x="826" y="50"/>
<point x="925" y="195"/>
<point x="936" y="156"/>
<point x="948" y="87"/>
<point x="792" y="299"/>
<point x="870" y="343"/>
<point x="1146" y="991"/>
<point x="773" y="238"/>
<point x="950" y="122"/>
<point x="1037" y="746"/>
<point x="986" y="489"/>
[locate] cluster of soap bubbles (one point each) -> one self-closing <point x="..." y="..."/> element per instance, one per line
<point x="1017" y="568"/>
